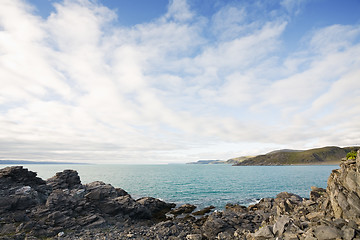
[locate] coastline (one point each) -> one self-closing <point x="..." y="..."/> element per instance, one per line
<point x="62" y="207"/>
<point x="215" y="185"/>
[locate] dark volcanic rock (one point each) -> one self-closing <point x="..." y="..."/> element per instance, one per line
<point x="46" y="208"/>
<point x="186" y="208"/>
<point x="156" y="207"/>
<point x="203" y="211"/>
<point x="98" y="191"/>
<point x="67" y="179"/>
<point x="20" y="189"/>
<point x="20" y="175"/>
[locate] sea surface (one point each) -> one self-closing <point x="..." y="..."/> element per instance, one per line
<point x="201" y="185"/>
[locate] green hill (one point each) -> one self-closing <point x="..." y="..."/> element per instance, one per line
<point x="237" y="160"/>
<point x="325" y="155"/>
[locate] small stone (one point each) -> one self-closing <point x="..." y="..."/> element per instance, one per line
<point x="61" y="234"/>
<point x="193" y="237"/>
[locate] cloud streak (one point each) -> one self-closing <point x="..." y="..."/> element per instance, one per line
<point x="78" y="86"/>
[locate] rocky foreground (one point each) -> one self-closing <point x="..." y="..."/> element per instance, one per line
<point x="63" y="208"/>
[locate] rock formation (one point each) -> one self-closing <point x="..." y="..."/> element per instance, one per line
<point x="63" y="208"/>
<point x="344" y="190"/>
<point x="30" y="206"/>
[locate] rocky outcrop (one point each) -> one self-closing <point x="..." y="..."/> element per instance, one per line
<point x="30" y="206"/>
<point x="68" y="179"/>
<point x="21" y="189"/>
<point x="344" y="190"/>
<point x="63" y="208"/>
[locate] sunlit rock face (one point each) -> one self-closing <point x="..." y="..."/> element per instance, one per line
<point x="344" y="190"/>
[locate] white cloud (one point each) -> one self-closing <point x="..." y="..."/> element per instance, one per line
<point x="229" y="22"/>
<point x="334" y="38"/>
<point x="78" y="87"/>
<point x="179" y="10"/>
<point x="293" y="6"/>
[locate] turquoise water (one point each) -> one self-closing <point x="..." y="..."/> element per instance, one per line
<point x="202" y="185"/>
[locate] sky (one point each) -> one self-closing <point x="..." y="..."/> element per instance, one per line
<point x="152" y="82"/>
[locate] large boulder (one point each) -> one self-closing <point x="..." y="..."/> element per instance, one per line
<point x="156" y="207"/>
<point x="98" y="191"/>
<point x="214" y="224"/>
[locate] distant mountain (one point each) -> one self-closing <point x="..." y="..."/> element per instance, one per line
<point x="21" y="162"/>
<point x="231" y="161"/>
<point x="325" y="155"/>
<point x="208" y="162"/>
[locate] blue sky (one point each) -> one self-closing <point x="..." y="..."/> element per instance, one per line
<point x="176" y="81"/>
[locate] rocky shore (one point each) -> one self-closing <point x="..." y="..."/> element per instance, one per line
<point x="64" y="208"/>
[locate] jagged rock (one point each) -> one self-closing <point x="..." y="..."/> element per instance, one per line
<point x="265" y="204"/>
<point x="186" y="208"/>
<point x="264" y="233"/>
<point x="317" y="193"/>
<point x="59" y="199"/>
<point x="20" y="189"/>
<point x="286" y="202"/>
<point x="67" y="179"/>
<point x="124" y="205"/>
<point x="99" y="190"/>
<point x="291" y="196"/>
<point x="344" y="190"/>
<point x="204" y="211"/>
<point x="280" y="224"/>
<point x="213" y="226"/>
<point x="156" y="207"/>
<point x="20" y="175"/>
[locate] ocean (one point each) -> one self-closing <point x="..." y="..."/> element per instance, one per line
<point x="201" y="185"/>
